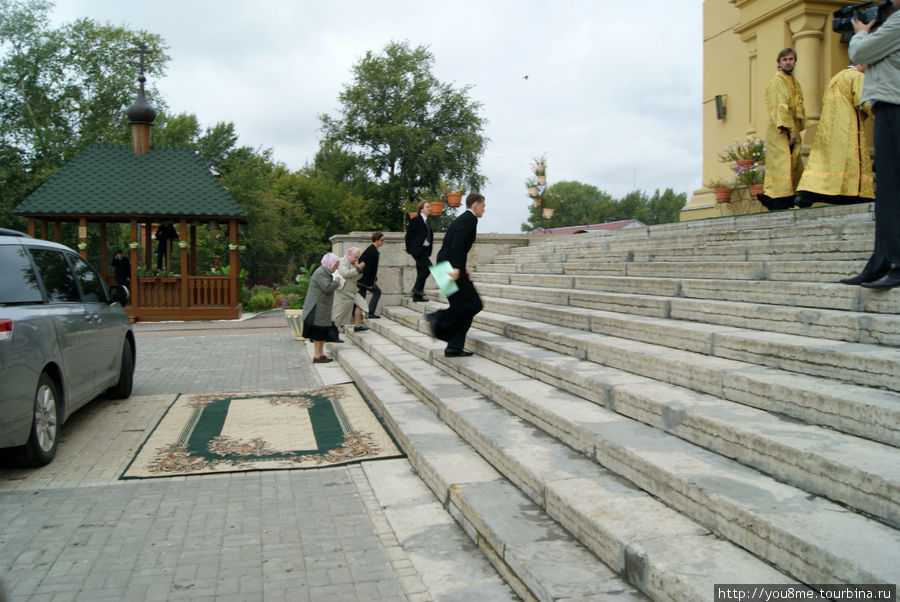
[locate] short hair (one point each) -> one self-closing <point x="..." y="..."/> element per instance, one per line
<point x="474" y="198"/>
<point x="376" y="236"/>
<point x="420" y="206"/>
<point x="786" y="52"/>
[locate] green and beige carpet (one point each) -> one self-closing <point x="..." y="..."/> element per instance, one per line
<point x="228" y="432"/>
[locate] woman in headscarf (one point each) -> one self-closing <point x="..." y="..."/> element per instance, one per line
<point x="347" y="300"/>
<point x="318" y="326"/>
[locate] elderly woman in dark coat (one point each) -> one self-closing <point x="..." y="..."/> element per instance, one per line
<point x="317" y="324"/>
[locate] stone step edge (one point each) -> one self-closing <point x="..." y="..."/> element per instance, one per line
<point x="851" y="409"/>
<point x="859" y="363"/>
<point x="800" y="548"/>
<point x="862" y="488"/>
<point x="644" y="558"/>
<point x="802" y="315"/>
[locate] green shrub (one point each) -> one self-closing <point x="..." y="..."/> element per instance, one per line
<point x="261" y="301"/>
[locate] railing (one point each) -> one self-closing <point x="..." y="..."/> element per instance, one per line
<point x="202" y="291"/>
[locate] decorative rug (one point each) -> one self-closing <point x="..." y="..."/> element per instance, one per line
<point x="229" y="432"/>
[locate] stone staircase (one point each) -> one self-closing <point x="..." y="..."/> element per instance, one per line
<point x="655" y="411"/>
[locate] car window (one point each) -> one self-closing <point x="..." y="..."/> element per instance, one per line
<point x="17" y="281"/>
<point x="91" y="285"/>
<point x="58" y="279"/>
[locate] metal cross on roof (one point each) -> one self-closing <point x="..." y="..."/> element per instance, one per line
<point x="142" y="50"/>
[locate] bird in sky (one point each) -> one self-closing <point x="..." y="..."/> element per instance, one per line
<point x="525" y="78"/>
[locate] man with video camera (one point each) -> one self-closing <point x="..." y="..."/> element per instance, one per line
<point x="880" y="50"/>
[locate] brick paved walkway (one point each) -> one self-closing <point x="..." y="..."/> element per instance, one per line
<point x="73" y="531"/>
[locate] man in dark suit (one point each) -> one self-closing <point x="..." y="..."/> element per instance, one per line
<point x="367" y="282"/>
<point x="419" y="239"/>
<point x="452" y="324"/>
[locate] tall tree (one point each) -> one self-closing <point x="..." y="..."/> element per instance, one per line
<point x="404" y="128"/>
<point x="61" y="89"/>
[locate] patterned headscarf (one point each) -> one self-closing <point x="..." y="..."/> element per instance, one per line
<point x="328" y="261"/>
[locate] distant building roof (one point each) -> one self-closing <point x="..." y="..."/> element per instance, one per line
<point x="110" y="180"/>
<point x="618" y="225"/>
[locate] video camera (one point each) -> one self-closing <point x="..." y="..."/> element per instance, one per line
<point x="865" y="12"/>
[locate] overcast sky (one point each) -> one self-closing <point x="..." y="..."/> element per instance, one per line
<point x="613" y="95"/>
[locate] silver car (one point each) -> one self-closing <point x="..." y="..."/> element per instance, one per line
<point x="64" y="340"/>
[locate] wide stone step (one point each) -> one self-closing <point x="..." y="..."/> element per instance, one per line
<point x="655" y="548"/>
<point x="854" y="471"/>
<point x="859" y="363"/>
<point x="801" y="294"/>
<point x="857" y="327"/>
<point x="536" y="556"/>
<point x="861" y="411"/>
<point x="814" y="540"/>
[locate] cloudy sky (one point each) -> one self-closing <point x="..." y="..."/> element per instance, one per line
<point x="613" y="95"/>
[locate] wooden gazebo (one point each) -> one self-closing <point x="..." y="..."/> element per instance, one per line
<point x="143" y="185"/>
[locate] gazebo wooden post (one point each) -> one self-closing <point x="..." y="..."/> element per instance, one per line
<point x="193" y="267"/>
<point x="103" y="270"/>
<point x="57" y="232"/>
<point x="133" y="259"/>
<point x="45" y="229"/>
<point x="183" y="261"/>
<point x="148" y="253"/>
<point x="234" y="262"/>
<point x="31" y="227"/>
<point x="82" y="236"/>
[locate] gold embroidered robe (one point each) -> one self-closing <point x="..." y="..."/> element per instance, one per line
<point x="784" y="102"/>
<point x="839" y="162"/>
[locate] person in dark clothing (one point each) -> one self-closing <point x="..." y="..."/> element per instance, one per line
<point x="367" y="283"/>
<point x="164" y="235"/>
<point x="452" y="324"/>
<point x="121" y="268"/>
<point x="419" y="239"/>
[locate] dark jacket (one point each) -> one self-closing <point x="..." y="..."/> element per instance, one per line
<point x="458" y="240"/>
<point x="122" y="269"/>
<point x="416" y="234"/>
<point x="370" y="271"/>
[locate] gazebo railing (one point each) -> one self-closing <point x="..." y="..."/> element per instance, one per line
<point x="202" y="291"/>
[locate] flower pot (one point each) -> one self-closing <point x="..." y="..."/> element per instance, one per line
<point x="293" y="317"/>
<point x="542" y="180"/>
<point x="536" y="202"/>
<point x="723" y="195"/>
<point x="437" y="208"/>
<point x="532" y="191"/>
<point x="412" y="214"/>
<point x="547" y="212"/>
<point x="454" y="199"/>
<point x="756" y="189"/>
<point x="745" y="163"/>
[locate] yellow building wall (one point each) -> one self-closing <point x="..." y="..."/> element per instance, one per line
<point x="741" y="40"/>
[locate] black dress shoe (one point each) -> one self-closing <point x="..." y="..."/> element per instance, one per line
<point x="885" y="282"/>
<point x="373" y="317"/>
<point x="859" y="279"/>
<point x="457" y="353"/>
<point x="360" y="328"/>
<point x="418" y="299"/>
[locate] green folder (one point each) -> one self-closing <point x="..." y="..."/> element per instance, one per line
<point x="441" y="274"/>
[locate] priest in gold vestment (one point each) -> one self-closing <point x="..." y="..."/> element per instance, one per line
<point x="784" y="102"/>
<point x="839" y="169"/>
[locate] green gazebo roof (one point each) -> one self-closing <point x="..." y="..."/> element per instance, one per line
<point x="111" y="181"/>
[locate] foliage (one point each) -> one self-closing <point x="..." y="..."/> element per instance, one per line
<point x="540" y="166"/>
<point x="291" y="302"/>
<point x="261" y="301"/>
<point x="745" y="176"/>
<point x="402" y="129"/>
<point x="751" y="148"/>
<point x="719" y="183"/>
<point x="576" y="203"/>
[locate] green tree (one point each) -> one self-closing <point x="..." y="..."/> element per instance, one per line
<point x="61" y="89"/>
<point x="404" y="128"/>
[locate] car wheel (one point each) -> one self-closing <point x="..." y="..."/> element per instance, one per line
<point x="122" y="389"/>
<point x="44" y="437"/>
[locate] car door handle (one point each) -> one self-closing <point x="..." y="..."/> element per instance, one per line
<point x="92" y="318"/>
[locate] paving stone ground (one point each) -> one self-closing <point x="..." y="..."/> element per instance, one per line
<point x="73" y="531"/>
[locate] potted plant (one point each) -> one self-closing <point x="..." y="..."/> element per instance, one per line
<point x="744" y="154"/>
<point x="723" y="189"/>
<point x="293" y="303"/>
<point x="532" y="186"/>
<point x="454" y="192"/>
<point x="540" y="170"/>
<point x="751" y="176"/>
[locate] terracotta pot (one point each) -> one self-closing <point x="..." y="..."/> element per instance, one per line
<point x="454" y="199"/>
<point x="542" y="180"/>
<point x="745" y="163"/>
<point x="532" y="191"/>
<point x="536" y="202"/>
<point x="437" y="208"/>
<point x="756" y="189"/>
<point x="723" y="195"/>
<point x="547" y="212"/>
<point x="412" y="214"/>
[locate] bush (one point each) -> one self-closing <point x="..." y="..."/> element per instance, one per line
<point x="261" y="301"/>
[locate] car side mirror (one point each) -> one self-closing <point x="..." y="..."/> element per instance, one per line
<point x="118" y="293"/>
